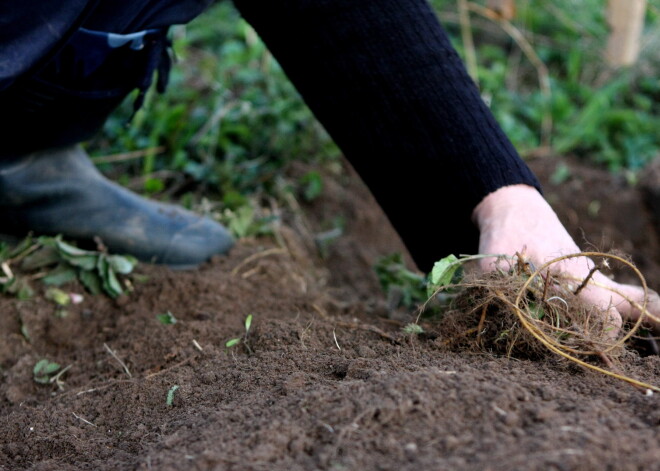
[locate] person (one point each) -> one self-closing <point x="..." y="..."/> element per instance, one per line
<point x="380" y="75"/>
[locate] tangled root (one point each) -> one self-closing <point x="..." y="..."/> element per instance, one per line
<point x="533" y="313"/>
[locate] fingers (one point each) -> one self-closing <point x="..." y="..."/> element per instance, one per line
<point x="631" y="312"/>
<point x="628" y="300"/>
<point x="606" y="302"/>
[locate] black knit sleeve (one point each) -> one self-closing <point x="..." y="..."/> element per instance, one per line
<point x="383" y="78"/>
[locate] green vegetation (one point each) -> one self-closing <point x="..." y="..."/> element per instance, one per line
<point x="167" y="318"/>
<point x="412" y="329"/>
<point x="170" y="395"/>
<point x="56" y="262"/>
<point x="412" y="290"/>
<point x="242" y="340"/>
<point x="48" y="372"/>
<point x="611" y="117"/>
<point x="231" y="121"/>
<point x="44" y="370"/>
<point x="402" y="286"/>
<point x="227" y="125"/>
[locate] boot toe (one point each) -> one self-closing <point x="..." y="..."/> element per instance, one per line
<point x="196" y="243"/>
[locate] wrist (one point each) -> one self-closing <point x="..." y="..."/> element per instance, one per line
<point x="520" y="198"/>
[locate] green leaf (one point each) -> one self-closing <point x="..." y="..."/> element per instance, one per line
<point x="536" y="310"/>
<point x="114" y="287"/>
<point x="25" y="332"/>
<point x="40" y="365"/>
<point x="414" y="329"/>
<point x="443" y="272"/>
<point x="60" y="275"/>
<point x="57" y="295"/>
<point x="154" y="185"/>
<point x="400" y="283"/>
<point x="110" y="283"/>
<point x="123" y="264"/>
<point x="68" y="249"/>
<point x="313" y="185"/>
<point x="166" y="318"/>
<point x="561" y="174"/>
<point x="86" y="262"/>
<point x="241" y="221"/>
<point x="232" y="199"/>
<point x="40" y="258"/>
<point x="248" y="323"/>
<point x="170" y="395"/>
<point x="22" y="247"/>
<point x="45" y="368"/>
<point x="91" y="281"/>
<point x="232" y="342"/>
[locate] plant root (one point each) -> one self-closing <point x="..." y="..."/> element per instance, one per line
<point x="535" y="313"/>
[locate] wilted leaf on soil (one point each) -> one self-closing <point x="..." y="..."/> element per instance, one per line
<point x="43" y="370"/>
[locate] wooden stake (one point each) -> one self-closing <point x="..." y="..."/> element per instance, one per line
<point x="506" y="9"/>
<point x="626" y="20"/>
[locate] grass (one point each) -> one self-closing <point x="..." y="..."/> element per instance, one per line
<point x="227" y="126"/>
<point x="609" y="117"/>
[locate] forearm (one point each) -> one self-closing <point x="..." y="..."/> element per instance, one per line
<point x="385" y="81"/>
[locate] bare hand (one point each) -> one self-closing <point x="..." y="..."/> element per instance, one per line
<point x="517" y="217"/>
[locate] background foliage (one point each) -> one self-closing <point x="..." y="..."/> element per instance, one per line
<point x="230" y="120"/>
<point x="611" y="117"/>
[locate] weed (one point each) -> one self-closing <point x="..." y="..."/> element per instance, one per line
<point x="402" y="286"/>
<point x="244" y="221"/>
<point x="44" y="370"/>
<point x="56" y="262"/>
<point x="47" y="372"/>
<point x="533" y="312"/>
<point x="170" y="395"/>
<point x="166" y="318"/>
<point x="413" y="329"/>
<point x="242" y="340"/>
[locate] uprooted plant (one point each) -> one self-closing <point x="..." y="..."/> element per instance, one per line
<point x="56" y="262"/>
<point x="530" y="312"/>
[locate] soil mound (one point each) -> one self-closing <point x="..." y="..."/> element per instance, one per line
<point x="324" y="379"/>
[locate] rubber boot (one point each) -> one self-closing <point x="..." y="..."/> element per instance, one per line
<point x="61" y="192"/>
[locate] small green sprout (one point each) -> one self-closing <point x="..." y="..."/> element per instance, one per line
<point x="44" y="370"/>
<point x="235" y="341"/>
<point x="170" y="395"/>
<point x="413" y="329"/>
<point x="166" y="318"/>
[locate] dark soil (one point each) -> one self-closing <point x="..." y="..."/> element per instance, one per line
<point x="328" y="381"/>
